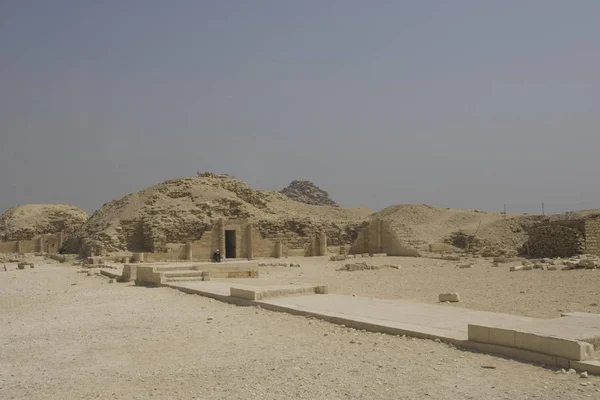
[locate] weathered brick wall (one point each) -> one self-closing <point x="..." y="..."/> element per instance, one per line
<point x="50" y="245"/>
<point x="8" y="247"/>
<point x="592" y="236"/>
<point x="554" y="240"/>
<point x="299" y="234"/>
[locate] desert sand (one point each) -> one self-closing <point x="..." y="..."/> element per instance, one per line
<point x="67" y="335"/>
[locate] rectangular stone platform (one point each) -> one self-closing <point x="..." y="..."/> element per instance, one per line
<point x="430" y="321"/>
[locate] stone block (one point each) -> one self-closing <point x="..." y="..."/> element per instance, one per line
<point x="572" y="264"/>
<point x="570" y="349"/>
<point x="503" y="337"/>
<point x="478" y="333"/>
<point x="527" y="267"/>
<point x="129" y="273"/>
<point x="451" y="297"/>
<point x="588" y="264"/>
<point x="552" y="268"/>
<point x="590" y="366"/>
<point x="528" y="341"/>
<point x="465" y="266"/>
<point x="516" y="268"/>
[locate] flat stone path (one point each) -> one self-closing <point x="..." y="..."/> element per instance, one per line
<point x="443" y="321"/>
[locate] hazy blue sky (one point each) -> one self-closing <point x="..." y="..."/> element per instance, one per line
<point x="467" y="104"/>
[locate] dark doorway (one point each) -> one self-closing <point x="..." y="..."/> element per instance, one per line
<point x="230" y="244"/>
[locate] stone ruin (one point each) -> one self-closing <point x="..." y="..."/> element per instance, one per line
<point x="308" y="193"/>
<point x="563" y="238"/>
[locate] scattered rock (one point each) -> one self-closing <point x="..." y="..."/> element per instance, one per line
<point x="571" y="371"/>
<point x="516" y="268"/>
<point x="363" y="266"/>
<point x="278" y="265"/>
<point x="339" y="257"/>
<point x="465" y="266"/>
<point x="584" y="374"/>
<point x="551" y="268"/>
<point x="562" y="371"/>
<point x="588" y="264"/>
<point x="450" y="297"/>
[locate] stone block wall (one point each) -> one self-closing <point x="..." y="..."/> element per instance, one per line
<point x="554" y="240"/>
<point x="43" y="243"/>
<point x="592" y="236"/>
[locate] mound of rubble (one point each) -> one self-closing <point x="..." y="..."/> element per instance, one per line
<point x="24" y="222"/>
<point x="180" y="210"/>
<point x="308" y="193"/>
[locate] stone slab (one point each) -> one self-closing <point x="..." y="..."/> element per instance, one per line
<point x="415" y="319"/>
<point x="449" y="323"/>
<point x="270" y="292"/>
<point x="548" y="344"/>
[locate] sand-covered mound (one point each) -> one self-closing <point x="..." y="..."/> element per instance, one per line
<point x="309" y="193"/>
<point x="181" y="209"/>
<point x="420" y="225"/>
<point x="26" y="221"/>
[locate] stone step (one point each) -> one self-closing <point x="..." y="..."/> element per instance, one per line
<point x="170" y="267"/>
<point x="184" y="279"/>
<point x="183" y="274"/>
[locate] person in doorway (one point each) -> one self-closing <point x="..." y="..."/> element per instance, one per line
<point x="217" y="256"/>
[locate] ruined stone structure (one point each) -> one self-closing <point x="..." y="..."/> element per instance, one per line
<point x="39" y="244"/>
<point x="308" y="193"/>
<point x="378" y="237"/>
<point x="564" y="238"/>
<point x="592" y="235"/>
<point x="238" y="239"/>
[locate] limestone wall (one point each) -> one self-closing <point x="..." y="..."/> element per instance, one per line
<point x="44" y="243"/>
<point x="592" y="236"/>
<point x="8" y="247"/>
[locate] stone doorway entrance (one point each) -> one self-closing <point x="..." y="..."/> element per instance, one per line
<point x="230" y="244"/>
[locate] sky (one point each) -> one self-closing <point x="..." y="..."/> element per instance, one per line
<point x="462" y="104"/>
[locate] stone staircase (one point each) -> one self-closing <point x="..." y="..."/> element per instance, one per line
<point x="159" y="274"/>
<point x="408" y="237"/>
<point x="185" y="276"/>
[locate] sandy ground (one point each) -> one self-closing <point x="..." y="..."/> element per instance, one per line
<point x="542" y="294"/>
<point x="69" y="336"/>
